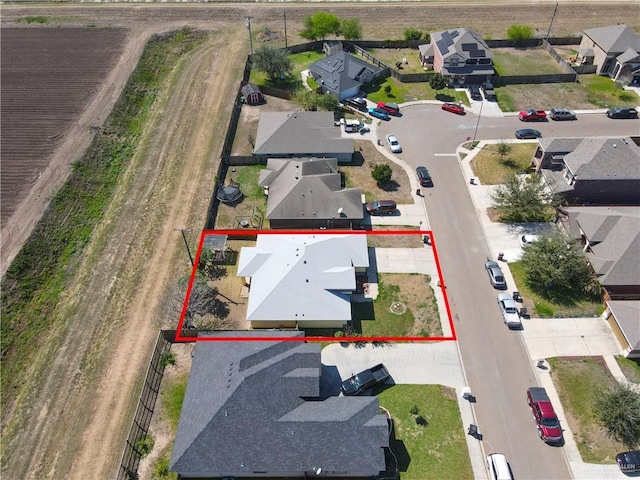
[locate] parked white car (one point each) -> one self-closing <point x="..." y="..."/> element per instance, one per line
<point x="509" y="310"/>
<point x="526" y="240"/>
<point x="394" y="144"/>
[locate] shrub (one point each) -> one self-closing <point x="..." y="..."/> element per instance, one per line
<point x="412" y="34"/>
<point x="381" y="173"/>
<point x="145" y="445"/>
<point x="519" y="32"/>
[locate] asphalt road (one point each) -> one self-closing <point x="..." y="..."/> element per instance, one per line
<point x="497" y="365"/>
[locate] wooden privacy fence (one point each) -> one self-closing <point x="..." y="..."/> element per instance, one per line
<point x="131" y="455"/>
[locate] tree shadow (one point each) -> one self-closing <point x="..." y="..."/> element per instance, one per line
<point x="390" y="186"/>
<point x="444" y="97"/>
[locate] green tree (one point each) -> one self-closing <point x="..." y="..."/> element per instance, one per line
<point x="412" y="34"/>
<point x="503" y="150"/>
<point x="526" y="200"/>
<point x="381" y="173"/>
<point x="351" y="29"/>
<point x="519" y="32"/>
<point x="438" y="82"/>
<point x="387" y="89"/>
<point x="556" y="267"/>
<point x="327" y="102"/>
<point x="618" y="410"/>
<point x="272" y="61"/>
<point x="320" y="25"/>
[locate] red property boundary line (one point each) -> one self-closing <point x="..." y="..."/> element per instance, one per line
<point x="230" y="233"/>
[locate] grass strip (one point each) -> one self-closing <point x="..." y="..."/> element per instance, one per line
<point x="49" y="259"/>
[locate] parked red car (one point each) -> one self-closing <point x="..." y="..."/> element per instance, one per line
<point x="453" y="108"/>
<point x="532" y="115"/>
<point x="390" y="108"/>
<point x="545" y="416"/>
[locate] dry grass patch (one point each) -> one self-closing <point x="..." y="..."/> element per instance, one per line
<point x="524" y="61"/>
<point x="390" y="56"/>
<point x="395" y="241"/>
<point x="488" y="167"/>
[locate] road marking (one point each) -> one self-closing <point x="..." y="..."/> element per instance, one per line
<point x="445" y="154"/>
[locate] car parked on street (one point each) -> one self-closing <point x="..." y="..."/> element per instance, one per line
<point x="629" y="462"/>
<point x="526" y="240"/>
<point x="562" y="114"/>
<point x="364" y="380"/>
<point x="622" y="112"/>
<point x="509" y="310"/>
<point x="453" y="108"/>
<point x="424" y="177"/>
<point x="549" y="428"/>
<point x="394" y="144"/>
<point x="390" y="108"/>
<point x="381" y="207"/>
<point x="474" y="92"/>
<point x="378" y="113"/>
<point x="357" y="103"/>
<point x="496" y="277"/>
<point x="526" y="133"/>
<point x="498" y="467"/>
<point x="532" y="115"/>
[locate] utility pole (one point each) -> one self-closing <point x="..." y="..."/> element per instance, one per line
<point x="284" y="14"/>
<point x="551" y="24"/>
<point x="250" y="39"/>
<point x="477" y="123"/>
<point x="182" y="230"/>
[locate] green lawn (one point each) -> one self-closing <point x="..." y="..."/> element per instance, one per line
<point x="576" y="379"/>
<point x="172" y="396"/>
<point x="600" y="92"/>
<point x="630" y="367"/>
<point x="490" y="170"/>
<point x="528" y="61"/>
<point x="572" y="307"/>
<point x="406" y="92"/>
<point x="435" y="450"/>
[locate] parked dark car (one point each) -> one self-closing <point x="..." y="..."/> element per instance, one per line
<point x="381" y="207"/>
<point x="365" y="380"/>
<point x="357" y="103"/>
<point x="453" y="108"/>
<point x="562" y="114"/>
<point x="622" y="112"/>
<point x="528" y="133"/>
<point x="487" y="89"/>
<point x="424" y="177"/>
<point x="474" y="92"/>
<point x="629" y="462"/>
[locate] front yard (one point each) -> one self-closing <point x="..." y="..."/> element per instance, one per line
<point x="405" y="306"/>
<point x="576" y="379"/>
<point x="582" y="306"/>
<point x="435" y="448"/>
<point x="492" y="170"/>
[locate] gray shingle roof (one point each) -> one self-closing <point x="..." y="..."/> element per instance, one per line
<point x="341" y="71"/>
<point x="308" y="188"/>
<point x="628" y="55"/>
<point x="253" y="407"/>
<point x="614" y="38"/>
<point x="302" y="277"/>
<point x="299" y="133"/>
<point x="627" y="314"/>
<point x="614" y="235"/>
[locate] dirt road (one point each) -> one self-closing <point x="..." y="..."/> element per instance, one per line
<point x="74" y="414"/>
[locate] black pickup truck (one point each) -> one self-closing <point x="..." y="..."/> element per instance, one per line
<point x="365" y="380"/>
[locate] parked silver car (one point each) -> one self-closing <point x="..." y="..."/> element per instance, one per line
<point x="496" y="277"/>
<point x="509" y="310"/>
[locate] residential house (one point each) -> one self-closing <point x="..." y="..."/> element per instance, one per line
<point x="611" y="240"/>
<point x="255" y="409"/>
<point x="302" y="281"/>
<point x="615" y="50"/>
<point x="603" y="171"/>
<point x="301" y="134"/>
<point x="624" y="318"/>
<point x="342" y="74"/>
<point x="461" y="55"/>
<point x="308" y="193"/>
<point x="252" y="94"/>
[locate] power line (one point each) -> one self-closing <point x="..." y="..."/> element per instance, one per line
<point x="182" y="230"/>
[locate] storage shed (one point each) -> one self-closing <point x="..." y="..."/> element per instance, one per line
<point x="252" y="94"/>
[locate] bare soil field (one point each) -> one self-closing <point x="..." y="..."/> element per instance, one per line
<point x="76" y="407"/>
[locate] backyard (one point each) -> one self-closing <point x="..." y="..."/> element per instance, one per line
<point x="493" y="170"/>
<point x="577" y="306"/>
<point x="405" y="306"/>
<point x="429" y="440"/>
<point x="524" y="61"/>
<point x="576" y="379"/>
